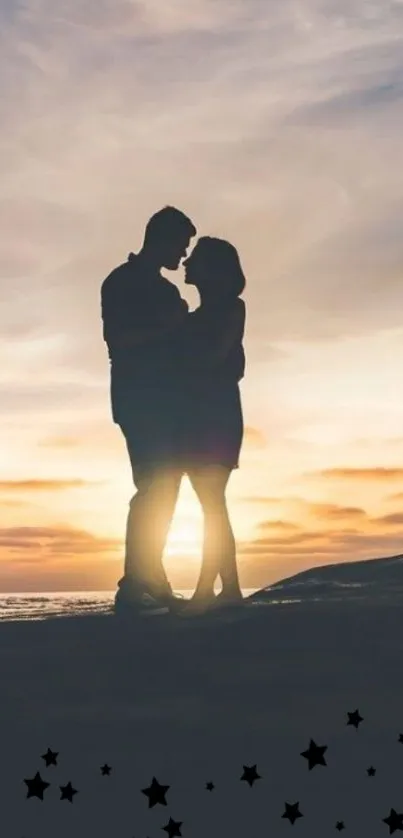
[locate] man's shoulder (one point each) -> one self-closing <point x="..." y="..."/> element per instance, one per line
<point x="115" y="278"/>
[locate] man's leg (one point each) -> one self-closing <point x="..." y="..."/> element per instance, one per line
<point x="150" y="515"/>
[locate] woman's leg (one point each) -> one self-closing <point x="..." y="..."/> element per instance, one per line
<point x="219" y="551"/>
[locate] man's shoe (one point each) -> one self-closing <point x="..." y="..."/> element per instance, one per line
<point x="174" y="602"/>
<point x="136" y="606"/>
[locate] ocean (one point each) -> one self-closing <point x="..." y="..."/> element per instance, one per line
<point x="40" y="606"/>
<point x="375" y="580"/>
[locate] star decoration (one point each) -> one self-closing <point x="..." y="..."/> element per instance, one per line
<point x="173" y="828"/>
<point x="36" y="786"/>
<point x="210" y="786"/>
<point x="105" y="770"/>
<point x="50" y="757"/>
<point x="292" y="812"/>
<point x="394" y="821"/>
<point x="250" y="774"/>
<point x="354" y="719"/>
<point x="340" y="825"/>
<point x="67" y="792"/>
<point x="155" y="793"/>
<point x="314" y="754"/>
<point x="371" y="771"/>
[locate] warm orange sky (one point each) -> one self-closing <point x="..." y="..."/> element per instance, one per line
<point x="277" y="125"/>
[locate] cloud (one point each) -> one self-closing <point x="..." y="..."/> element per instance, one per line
<point x="262" y="121"/>
<point x="350" y="104"/>
<point x="331" y="512"/>
<point x="265" y="561"/>
<point x="109" y="105"/>
<point x="378" y="473"/>
<point x="261" y="500"/>
<point x="60" y="442"/>
<point x="277" y="525"/>
<point x="49" y="544"/>
<point x="395" y="497"/>
<point x="318" y="509"/>
<point x="395" y="519"/>
<point x="49" y="397"/>
<point x="254" y="438"/>
<point x="50" y="485"/>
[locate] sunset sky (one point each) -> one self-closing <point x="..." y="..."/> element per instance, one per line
<point x="276" y="124"/>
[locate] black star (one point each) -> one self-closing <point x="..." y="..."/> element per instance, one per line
<point x="173" y="828"/>
<point x="314" y="754"/>
<point x="36" y="786"/>
<point x="67" y="792"/>
<point x="106" y="769"/>
<point x="340" y="825"/>
<point x="250" y="774"/>
<point x="155" y="793"/>
<point x="354" y="719"/>
<point x="50" y="757"/>
<point x="394" y="821"/>
<point x="371" y="771"/>
<point x="292" y="812"/>
<point x="401" y="738"/>
<point x="210" y="786"/>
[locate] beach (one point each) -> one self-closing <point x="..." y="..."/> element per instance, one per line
<point x="191" y="702"/>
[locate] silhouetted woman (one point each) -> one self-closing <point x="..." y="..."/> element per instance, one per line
<point x="215" y="363"/>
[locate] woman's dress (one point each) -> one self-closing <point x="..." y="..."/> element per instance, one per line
<point x="212" y="424"/>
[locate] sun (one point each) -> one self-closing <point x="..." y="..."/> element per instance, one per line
<point x="184" y="538"/>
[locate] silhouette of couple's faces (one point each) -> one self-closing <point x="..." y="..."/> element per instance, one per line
<point x="198" y="266"/>
<point x="173" y="249"/>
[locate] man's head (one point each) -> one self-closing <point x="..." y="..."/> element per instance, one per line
<point x="167" y="237"/>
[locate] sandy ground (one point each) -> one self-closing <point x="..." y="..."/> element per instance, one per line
<point x="190" y="703"/>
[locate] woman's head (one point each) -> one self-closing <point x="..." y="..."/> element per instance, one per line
<point x="214" y="268"/>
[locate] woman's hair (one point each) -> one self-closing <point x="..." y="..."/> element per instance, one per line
<point x="223" y="264"/>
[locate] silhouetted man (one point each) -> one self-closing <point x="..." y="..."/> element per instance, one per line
<point x="141" y="312"/>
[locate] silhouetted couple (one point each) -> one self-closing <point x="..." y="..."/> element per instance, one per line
<point x="175" y="395"/>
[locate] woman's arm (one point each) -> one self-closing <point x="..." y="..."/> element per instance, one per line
<point x="211" y="350"/>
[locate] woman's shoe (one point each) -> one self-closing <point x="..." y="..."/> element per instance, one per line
<point x="197" y="606"/>
<point x="231" y="599"/>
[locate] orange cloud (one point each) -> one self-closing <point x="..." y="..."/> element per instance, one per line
<point x="267" y="560"/>
<point x="393" y="519"/>
<point x="375" y="473"/>
<point x="261" y="500"/>
<point x="254" y="438"/>
<point x="397" y="496"/>
<point x="50" y="485"/>
<point x="277" y="525"/>
<point x="330" y="511"/>
<point x="53" y="543"/>
<point x="60" y="442"/>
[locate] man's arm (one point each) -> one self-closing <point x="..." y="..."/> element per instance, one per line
<point x="119" y="333"/>
<point x="143" y="334"/>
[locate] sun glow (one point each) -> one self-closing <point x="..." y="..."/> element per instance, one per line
<point x="185" y="537"/>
